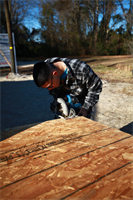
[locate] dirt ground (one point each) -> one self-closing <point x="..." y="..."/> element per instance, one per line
<point x="115" y="107"/>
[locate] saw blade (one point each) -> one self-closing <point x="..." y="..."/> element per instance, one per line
<point x="63" y="107"/>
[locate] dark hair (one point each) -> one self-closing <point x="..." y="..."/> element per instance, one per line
<point x="41" y="73"/>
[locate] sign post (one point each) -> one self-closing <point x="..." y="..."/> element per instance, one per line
<point x="9" y="30"/>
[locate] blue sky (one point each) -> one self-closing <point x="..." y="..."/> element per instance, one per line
<point x="34" y="23"/>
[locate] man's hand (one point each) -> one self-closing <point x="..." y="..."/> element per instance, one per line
<point x="85" y="113"/>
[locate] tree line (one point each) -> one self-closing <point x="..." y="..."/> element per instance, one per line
<point x="72" y="27"/>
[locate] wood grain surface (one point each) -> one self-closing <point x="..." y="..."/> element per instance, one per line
<point x="67" y="159"/>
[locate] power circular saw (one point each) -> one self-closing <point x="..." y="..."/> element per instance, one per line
<point x="65" y="109"/>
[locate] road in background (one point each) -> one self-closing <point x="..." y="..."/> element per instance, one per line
<point x="22" y="103"/>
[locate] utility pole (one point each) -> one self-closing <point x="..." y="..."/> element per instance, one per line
<point x="9" y="30"/>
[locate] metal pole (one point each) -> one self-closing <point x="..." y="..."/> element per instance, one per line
<point x="9" y="30"/>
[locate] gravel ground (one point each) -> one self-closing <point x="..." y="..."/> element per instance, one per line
<point x="115" y="108"/>
<point x="23" y="103"/>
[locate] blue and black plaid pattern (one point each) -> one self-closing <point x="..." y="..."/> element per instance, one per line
<point x="86" y="79"/>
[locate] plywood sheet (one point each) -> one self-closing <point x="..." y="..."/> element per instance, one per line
<point x="115" y="185"/>
<point x="51" y="130"/>
<point x="43" y="164"/>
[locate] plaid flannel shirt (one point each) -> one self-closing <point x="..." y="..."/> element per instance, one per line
<point x="86" y="80"/>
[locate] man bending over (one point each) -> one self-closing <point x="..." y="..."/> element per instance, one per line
<point x="65" y="76"/>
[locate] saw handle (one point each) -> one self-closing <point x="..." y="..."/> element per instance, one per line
<point x="76" y="105"/>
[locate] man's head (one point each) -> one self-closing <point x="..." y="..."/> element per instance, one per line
<point x="46" y="75"/>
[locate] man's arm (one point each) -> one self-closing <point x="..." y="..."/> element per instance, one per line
<point x="94" y="86"/>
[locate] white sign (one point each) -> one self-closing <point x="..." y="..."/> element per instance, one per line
<point x="5" y="48"/>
